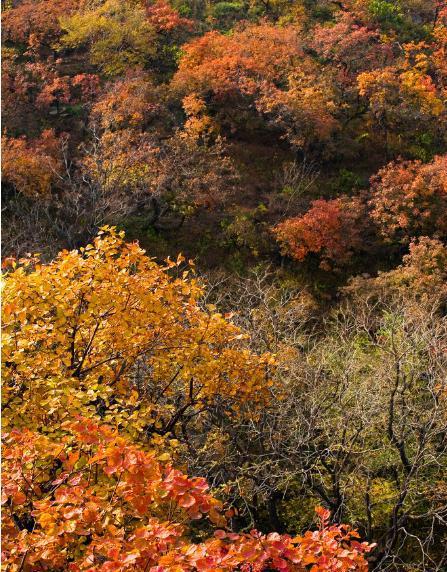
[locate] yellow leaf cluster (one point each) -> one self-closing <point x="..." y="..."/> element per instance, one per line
<point x="108" y="333"/>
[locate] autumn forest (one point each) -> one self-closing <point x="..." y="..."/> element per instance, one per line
<point x="224" y="292"/>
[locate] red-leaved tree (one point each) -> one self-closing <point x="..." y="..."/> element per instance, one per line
<point x="330" y="229"/>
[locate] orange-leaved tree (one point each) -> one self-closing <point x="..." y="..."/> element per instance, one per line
<point x="32" y="166"/>
<point x="260" y="70"/>
<point x="409" y="199"/>
<point x="36" y="23"/>
<point x="349" y="46"/>
<point x="93" y="501"/>
<point x="138" y="160"/>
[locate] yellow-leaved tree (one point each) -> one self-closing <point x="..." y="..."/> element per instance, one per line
<point x="108" y="333"/>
